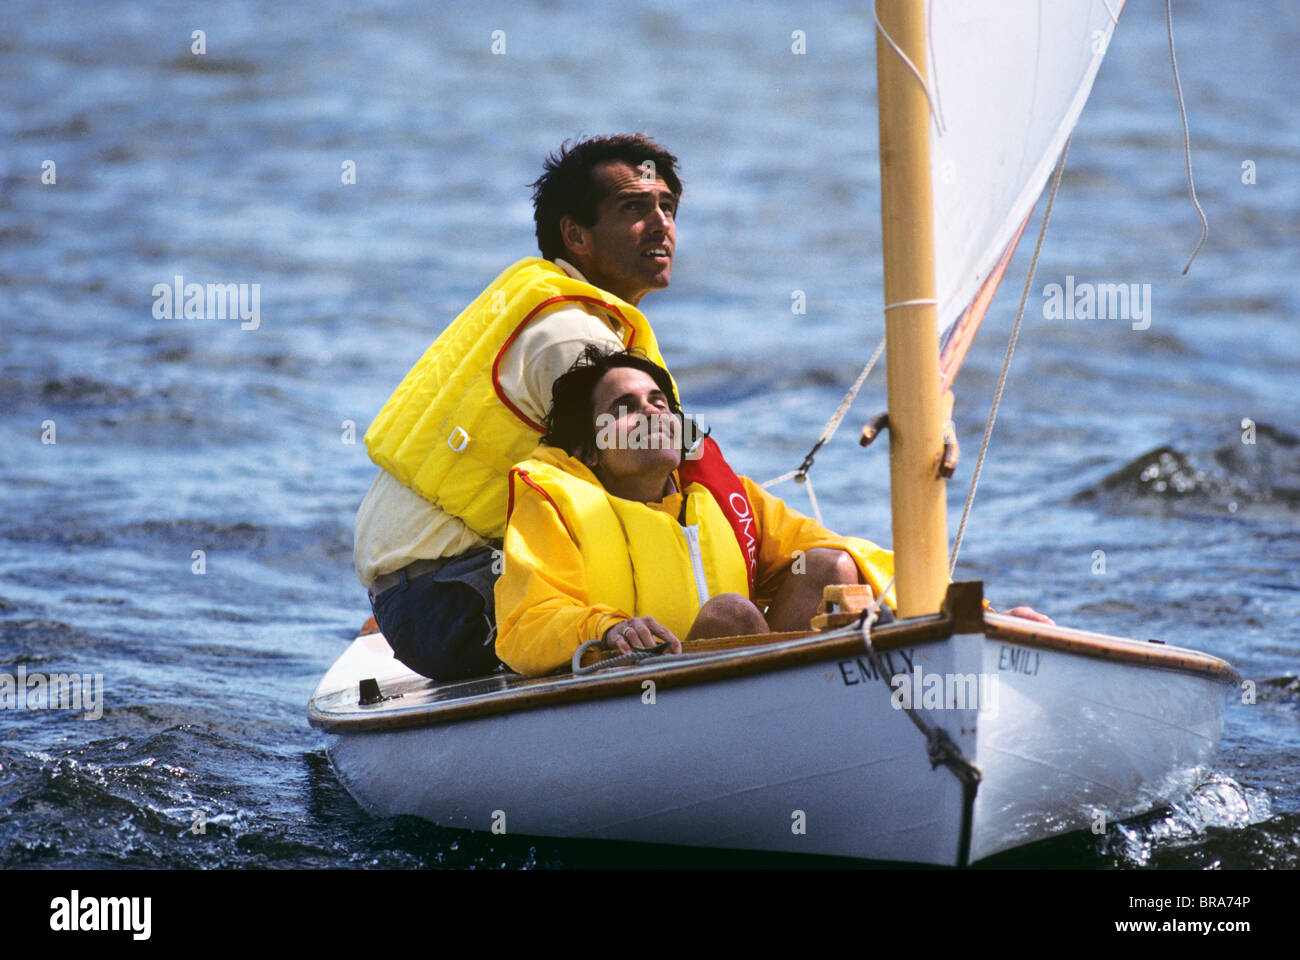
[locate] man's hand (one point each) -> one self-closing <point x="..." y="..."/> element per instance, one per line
<point x="1029" y="613"/>
<point x="640" y="632"/>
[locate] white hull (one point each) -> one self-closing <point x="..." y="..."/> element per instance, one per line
<point x="1084" y="739"/>
<point x="811" y="758"/>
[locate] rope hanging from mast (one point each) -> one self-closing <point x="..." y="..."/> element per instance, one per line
<point x="1187" y="143"/>
<point x="925" y="87"/>
<point x="801" y="474"/>
<point x="939" y="746"/>
<point x="1006" y="363"/>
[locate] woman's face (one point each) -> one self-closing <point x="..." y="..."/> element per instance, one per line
<point x="637" y="434"/>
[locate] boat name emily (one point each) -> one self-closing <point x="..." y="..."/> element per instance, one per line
<point x="1019" y="660"/>
<point x="864" y="670"/>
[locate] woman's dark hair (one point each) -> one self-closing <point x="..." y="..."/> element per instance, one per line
<point x="571" y="422"/>
<point x="567" y="187"/>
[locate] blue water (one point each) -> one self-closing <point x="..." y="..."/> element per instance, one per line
<point x="174" y="436"/>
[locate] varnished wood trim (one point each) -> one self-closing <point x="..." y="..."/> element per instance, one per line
<point x="596" y="655"/>
<point x="963" y="613"/>
<point x="667" y="674"/>
<point x="964" y="603"/>
<point x="1028" y="633"/>
<point x="846" y="598"/>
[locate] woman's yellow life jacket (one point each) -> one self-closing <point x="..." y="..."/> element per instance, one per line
<point x="638" y="559"/>
<point x="448" y="431"/>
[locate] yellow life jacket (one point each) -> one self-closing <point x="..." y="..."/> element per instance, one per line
<point x="638" y="559"/>
<point x="448" y="431"/>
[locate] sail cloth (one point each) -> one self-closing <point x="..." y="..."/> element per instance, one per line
<point x="1008" y="80"/>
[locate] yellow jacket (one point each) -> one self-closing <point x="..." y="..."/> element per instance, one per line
<point x="571" y="564"/>
<point x="448" y="432"/>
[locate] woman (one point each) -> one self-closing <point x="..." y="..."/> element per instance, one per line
<point x="611" y="534"/>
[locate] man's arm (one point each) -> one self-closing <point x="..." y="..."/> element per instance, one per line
<point x="782" y="532"/>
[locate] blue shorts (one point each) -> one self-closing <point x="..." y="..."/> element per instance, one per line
<point x="442" y="624"/>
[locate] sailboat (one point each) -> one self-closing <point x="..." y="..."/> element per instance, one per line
<point x="943" y="737"/>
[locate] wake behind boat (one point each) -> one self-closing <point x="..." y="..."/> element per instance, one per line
<point x="949" y="739"/>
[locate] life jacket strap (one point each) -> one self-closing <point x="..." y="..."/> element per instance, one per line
<point x="709" y="469"/>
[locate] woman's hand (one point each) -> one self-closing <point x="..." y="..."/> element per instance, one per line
<point x="641" y="633"/>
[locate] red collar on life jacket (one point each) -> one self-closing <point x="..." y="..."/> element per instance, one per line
<point x="712" y="472"/>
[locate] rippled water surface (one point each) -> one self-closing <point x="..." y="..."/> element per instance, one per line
<point x="174" y="436"/>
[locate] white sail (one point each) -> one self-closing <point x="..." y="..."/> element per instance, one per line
<point x="1009" y="79"/>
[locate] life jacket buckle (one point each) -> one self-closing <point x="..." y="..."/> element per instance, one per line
<point x="464" y="440"/>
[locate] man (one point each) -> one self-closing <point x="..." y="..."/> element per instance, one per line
<point x="473" y="405"/>
<point x="612" y="534"/>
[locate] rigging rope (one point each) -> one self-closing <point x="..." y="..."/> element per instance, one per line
<point x="925" y="87"/>
<point x="801" y="474"/>
<point x="1006" y="363"/>
<point x="1187" y="143"/>
<point x="920" y="301"/>
<point x="929" y="40"/>
<point x="939" y="747"/>
<point x="636" y="656"/>
<point x="812" y="499"/>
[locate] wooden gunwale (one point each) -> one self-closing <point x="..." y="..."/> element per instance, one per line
<point x="747" y="659"/>
<point x="747" y="656"/>
<point x="1027" y="633"/>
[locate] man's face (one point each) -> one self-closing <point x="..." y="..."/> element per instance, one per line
<point x="629" y="249"/>
<point x="637" y="434"/>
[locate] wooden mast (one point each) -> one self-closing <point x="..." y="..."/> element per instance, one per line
<point x="917" y="492"/>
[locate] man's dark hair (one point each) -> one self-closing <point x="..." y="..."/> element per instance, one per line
<point x="571" y="422"/>
<point x="568" y="187"/>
